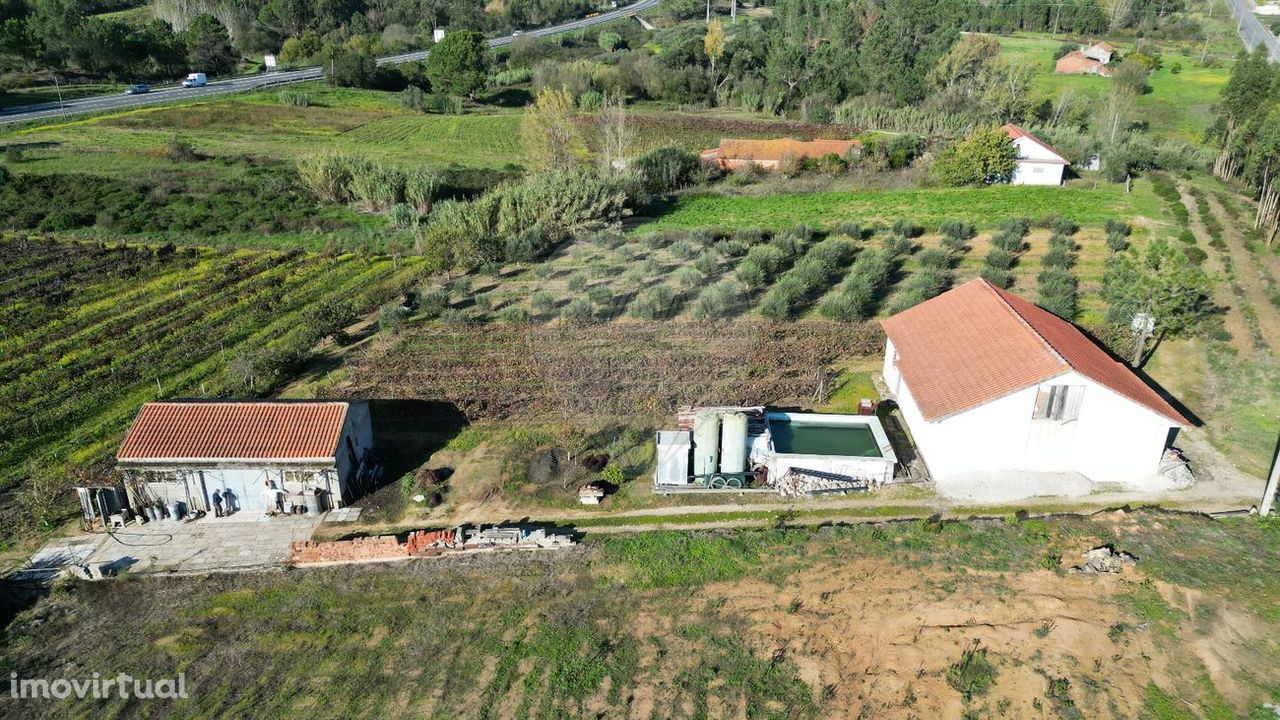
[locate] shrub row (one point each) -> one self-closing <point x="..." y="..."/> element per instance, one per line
<point x="344" y="178"/>
<point x="810" y="276"/>
<point x="521" y="221"/>
<point x="856" y="297"/>
<point x="1058" y="288"/>
<point x="1006" y="245"/>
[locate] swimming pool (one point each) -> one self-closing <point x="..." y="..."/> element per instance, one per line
<point x="849" y="445"/>
<point x="804" y="438"/>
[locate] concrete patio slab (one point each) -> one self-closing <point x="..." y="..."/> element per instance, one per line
<point x="209" y="544"/>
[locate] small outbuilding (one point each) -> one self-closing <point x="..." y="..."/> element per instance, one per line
<point x="771" y="154"/>
<point x="181" y="452"/>
<point x="1101" y="52"/>
<point x="1077" y="63"/>
<point x="998" y="391"/>
<point x="1038" y="163"/>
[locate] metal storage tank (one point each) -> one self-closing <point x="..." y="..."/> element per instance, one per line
<point x="733" y="443"/>
<point x="706" y="443"/>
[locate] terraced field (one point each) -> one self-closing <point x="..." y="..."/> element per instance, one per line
<point x="92" y="330"/>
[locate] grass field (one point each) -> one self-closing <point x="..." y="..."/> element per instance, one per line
<point x="367" y="122"/>
<point x="1084" y="201"/>
<point x="755" y="624"/>
<point x="92" y="331"/>
<point x="1180" y="104"/>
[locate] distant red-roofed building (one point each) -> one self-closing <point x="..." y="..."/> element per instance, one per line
<point x="184" y="451"/>
<point x="1077" y="63"/>
<point x="994" y="387"/>
<point x="1101" y="52"/>
<point x="769" y="154"/>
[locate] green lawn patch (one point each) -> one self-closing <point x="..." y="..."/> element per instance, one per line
<point x="982" y="206"/>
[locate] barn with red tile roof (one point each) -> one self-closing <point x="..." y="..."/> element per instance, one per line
<point x="990" y="383"/>
<point x="251" y="452"/>
<point x="771" y="154"/>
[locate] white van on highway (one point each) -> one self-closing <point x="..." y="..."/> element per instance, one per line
<point x="194" y="80"/>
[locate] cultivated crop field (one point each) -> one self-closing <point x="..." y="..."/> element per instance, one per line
<point x="367" y="122"/>
<point x="714" y="274"/>
<point x="92" y="330"/>
<point x="614" y="371"/>
<point x="977" y="618"/>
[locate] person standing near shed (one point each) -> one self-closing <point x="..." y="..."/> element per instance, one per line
<point x="217" y="503"/>
<point x="268" y="497"/>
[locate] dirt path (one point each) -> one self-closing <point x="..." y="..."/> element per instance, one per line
<point x="1252" y="270"/>
<point x="1222" y="295"/>
<point x="1220" y="487"/>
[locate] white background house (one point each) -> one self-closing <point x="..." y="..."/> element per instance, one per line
<point x="1038" y="163"/>
<point x="995" y="389"/>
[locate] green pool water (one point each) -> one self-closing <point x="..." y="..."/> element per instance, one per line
<point x="806" y="439"/>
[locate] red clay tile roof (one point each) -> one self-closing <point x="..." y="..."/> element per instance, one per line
<point x="782" y="147"/>
<point x="234" y="430"/>
<point x="1014" y="132"/>
<point x="1075" y="63"/>
<point x="978" y="343"/>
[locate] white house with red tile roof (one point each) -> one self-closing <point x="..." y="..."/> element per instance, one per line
<point x="1038" y="163"/>
<point x="184" y="451"/>
<point x="996" y="389"/>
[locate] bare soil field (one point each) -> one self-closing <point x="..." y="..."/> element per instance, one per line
<point x="896" y="620"/>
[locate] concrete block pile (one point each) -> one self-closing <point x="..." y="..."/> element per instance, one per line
<point x="424" y="543"/>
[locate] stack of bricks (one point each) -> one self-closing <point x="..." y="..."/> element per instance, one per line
<point x="424" y="542"/>
<point x="382" y="547"/>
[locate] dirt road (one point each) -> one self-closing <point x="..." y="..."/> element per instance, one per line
<point x="1252" y="271"/>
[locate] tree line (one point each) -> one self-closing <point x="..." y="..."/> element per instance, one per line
<point x="1247" y="135"/>
<point x="78" y="37"/>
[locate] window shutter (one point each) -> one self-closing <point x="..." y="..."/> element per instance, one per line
<point x="1041" y="409"/>
<point x="1075" y="397"/>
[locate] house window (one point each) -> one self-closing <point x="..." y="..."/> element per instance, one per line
<point x="1058" y="402"/>
<point x="1037" y="169"/>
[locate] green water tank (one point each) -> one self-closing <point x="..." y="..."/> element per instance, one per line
<point x="706" y="443"/>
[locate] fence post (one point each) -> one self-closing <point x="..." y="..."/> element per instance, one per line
<point x="1269" y="495"/>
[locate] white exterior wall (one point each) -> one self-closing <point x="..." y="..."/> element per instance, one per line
<point x="1113" y="440"/>
<point x="358" y="429"/>
<point x="1036" y="164"/>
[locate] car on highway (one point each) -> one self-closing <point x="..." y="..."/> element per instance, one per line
<point x="195" y="80"/>
<point x="137" y="89"/>
<point x="516" y="32"/>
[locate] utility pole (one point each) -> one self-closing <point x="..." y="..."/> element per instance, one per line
<point x="1269" y="495"/>
<point x="733" y="11"/>
<point x="1144" y="324"/>
<point x="708" y="10"/>
<point x="61" y="109"/>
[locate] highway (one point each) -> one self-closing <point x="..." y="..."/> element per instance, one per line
<point x="175" y="93"/>
<point x="1251" y="30"/>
